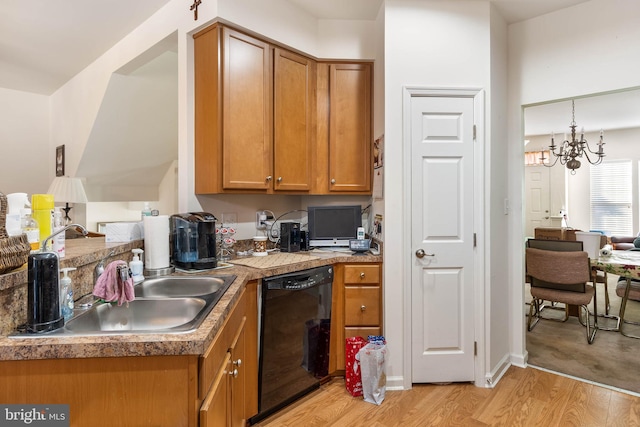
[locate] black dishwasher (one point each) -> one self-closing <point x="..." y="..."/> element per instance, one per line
<point x="295" y="323"/>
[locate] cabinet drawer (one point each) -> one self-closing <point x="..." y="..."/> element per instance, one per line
<point x="362" y="274"/>
<point x="362" y="306"/>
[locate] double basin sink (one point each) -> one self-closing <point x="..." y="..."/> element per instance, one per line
<point x="170" y="304"/>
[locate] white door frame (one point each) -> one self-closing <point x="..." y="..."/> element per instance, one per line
<point x="479" y="208"/>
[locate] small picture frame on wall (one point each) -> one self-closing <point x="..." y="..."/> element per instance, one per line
<point x="60" y="160"/>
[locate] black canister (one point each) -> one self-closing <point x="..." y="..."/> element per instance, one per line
<point x="43" y="293"/>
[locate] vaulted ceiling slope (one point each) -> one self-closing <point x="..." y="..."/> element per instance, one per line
<point x="45" y="43"/>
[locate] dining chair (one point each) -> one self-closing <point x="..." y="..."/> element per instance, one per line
<point x="562" y="277"/>
<point x="600" y="277"/>
<point x="634" y="295"/>
<point x="553" y="245"/>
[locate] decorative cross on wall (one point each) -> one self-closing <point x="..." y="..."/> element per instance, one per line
<point x="194" y="7"/>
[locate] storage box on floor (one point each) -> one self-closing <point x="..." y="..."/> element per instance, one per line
<point x="555" y="233"/>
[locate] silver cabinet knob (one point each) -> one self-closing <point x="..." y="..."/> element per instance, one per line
<point x="363" y="307"/>
<point x="362" y="275"/>
<point x="237" y="362"/>
<point x="269" y="178"/>
<point x="234" y="373"/>
<point x="279" y="179"/>
<point x="333" y="181"/>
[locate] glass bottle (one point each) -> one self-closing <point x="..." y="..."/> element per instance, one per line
<point x="59" y="239"/>
<point x="29" y="226"/>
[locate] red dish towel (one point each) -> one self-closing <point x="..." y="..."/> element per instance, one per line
<point x="111" y="287"/>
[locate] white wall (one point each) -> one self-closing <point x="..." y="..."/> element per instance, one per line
<point x="495" y="241"/>
<point x="424" y="45"/>
<point x="589" y="48"/>
<point x="26" y="163"/>
<point x="621" y="144"/>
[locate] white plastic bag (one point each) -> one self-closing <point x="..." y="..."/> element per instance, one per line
<point x="373" y="361"/>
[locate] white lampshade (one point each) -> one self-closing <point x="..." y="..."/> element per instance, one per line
<point x="67" y="190"/>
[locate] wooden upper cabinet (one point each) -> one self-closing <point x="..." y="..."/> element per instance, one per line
<point x="246" y="112"/>
<point x="207" y="111"/>
<point x="293" y="107"/>
<point x="233" y="122"/>
<point x="268" y="120"/>
<point x="350" y="158"/>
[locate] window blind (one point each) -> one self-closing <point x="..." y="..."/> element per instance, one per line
<point x="611" y="197"/>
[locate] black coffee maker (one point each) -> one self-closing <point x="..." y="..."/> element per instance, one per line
<point x="193" y="240"/>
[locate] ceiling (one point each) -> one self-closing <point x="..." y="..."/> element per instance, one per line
<point x="39" y="54"/>
<point x="617" y="110"/>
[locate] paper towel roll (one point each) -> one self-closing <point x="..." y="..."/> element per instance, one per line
<point x="156" y="242"/>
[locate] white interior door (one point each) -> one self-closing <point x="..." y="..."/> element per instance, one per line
<point x="442" y="227"/>
<point x="537" y="202"/>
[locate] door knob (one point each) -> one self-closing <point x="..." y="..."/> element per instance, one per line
<point x="420" y="253"/>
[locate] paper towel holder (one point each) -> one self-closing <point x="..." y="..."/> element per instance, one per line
<point x="157" y="272"/>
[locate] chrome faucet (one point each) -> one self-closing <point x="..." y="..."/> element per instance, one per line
<point x="65" y="228"/>
<point x="99" y="268"/>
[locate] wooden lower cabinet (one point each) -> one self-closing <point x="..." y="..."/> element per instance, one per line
<point x="357" y="307"/>
<point x="109" y="391"/>
<point x="174" y="391"/>
<point x="229" y="374"/>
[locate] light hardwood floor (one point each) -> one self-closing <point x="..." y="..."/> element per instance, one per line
<point x="523" y="397"/>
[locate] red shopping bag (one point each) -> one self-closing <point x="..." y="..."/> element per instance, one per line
<point x="352" y="375"/>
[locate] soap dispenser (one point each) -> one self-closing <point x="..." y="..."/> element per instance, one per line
<point x="136" y="266"/>
<point x="66" y="294"/>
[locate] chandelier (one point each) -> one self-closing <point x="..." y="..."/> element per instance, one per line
<point x="571" y="150"/>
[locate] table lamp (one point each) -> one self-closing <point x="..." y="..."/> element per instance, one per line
<point x="68" y="190"/>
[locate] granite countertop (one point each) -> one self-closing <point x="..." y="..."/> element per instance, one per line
<point x="194" y="343"/>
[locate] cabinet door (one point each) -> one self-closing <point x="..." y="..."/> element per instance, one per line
<point x="350" y="160"/>
<point x="238" y="378"/>
<point x="294" y="80"/>
<point x="207" y="111"/>
<point x="247" y="120"/>
<point x="216" y="409"/>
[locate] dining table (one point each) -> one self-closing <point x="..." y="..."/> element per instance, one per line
<point x="625" y="264"/>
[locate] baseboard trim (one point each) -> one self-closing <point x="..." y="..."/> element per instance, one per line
<point x="493" y="377"/>
<point x="395" y="383"/>
<point x="520" y="360"/>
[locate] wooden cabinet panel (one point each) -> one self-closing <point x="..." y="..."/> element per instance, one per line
<point x="234" y="351"/>
<point x="109" y="391"/>
<point x="362" y="274"/>
<point x="215" y="410"/>
<point x="361" y="306"/>
<point x="212" y="359"/>
<point x="207" y="111"/>
<point x="250" y="361"/>
<point x="268" y="120"/>
<point x="350" y="158"/>
<point x="246" y="113"/>
<point x="293" y="107"/>
<point x="238" y="378"/>
<point x="355" y="286"/>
